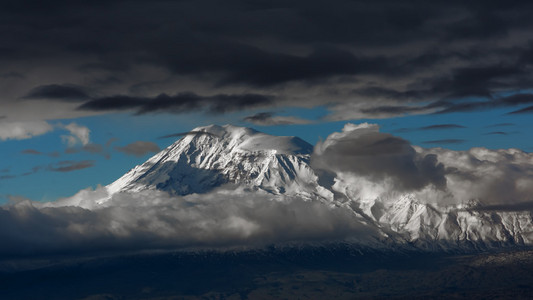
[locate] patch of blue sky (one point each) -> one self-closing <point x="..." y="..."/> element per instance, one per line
<point x="478" y="131"/>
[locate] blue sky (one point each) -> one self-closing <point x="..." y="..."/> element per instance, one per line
<point x="492" y="129"/>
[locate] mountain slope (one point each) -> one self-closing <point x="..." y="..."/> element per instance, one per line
<point x="209" y="157"/>
<point x="214" y="155"/>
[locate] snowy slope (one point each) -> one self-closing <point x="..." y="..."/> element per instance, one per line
<point x="215" y="155"/>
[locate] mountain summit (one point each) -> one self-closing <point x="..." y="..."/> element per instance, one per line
<point x="208" y="157"/>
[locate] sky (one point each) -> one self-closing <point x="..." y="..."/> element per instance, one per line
<point x="89" y="90"/>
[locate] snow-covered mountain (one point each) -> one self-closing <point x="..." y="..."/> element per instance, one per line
<point x="209" y="157"/>
<point x="215" y="155"/>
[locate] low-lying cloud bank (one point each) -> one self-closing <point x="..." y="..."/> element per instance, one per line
<point x="155" y="220"/>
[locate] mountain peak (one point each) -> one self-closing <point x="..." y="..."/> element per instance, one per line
<point x="248" y="139"/>
<point x="213" y="155"/>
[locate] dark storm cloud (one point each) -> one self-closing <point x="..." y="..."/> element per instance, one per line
<point x="11" y="75"/>
<point x="58" y="92"/>
<point x="393" y="57"/>
<point x="179" y="103"/>
<point x="321" y="64"/>
<point x="139" y="148"/>
<point x="241" y="63"/>
<point x="482" y="102"/>
<point x="391" y="110"/>
<point x="389" y="93"/>
<point x="69" y="165"/>
<point x="365" y="151"/>
<point x="476" y="81"/>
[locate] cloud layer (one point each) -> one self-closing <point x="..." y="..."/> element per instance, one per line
<point x="154" y="220"/>
<point x="360" y="60"/>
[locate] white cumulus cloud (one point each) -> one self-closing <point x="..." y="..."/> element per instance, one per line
<point x="23" y="130"/>
<point x="78" y="134"/>
<point x="369" y="164"/>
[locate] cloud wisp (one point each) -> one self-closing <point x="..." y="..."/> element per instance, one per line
<point x="442" y="127"/>
<point x="180" y="134"/>
<point x="78" y="134"/>
<point x="269" y="119"/>
<point x="70" y="165"/>
<point x="62" y="166"/>
<point x="432" y="127"/>
<point x="31" y="152"/>
<point x="525" y="110"/>
<point x="445" y="142"/>
<point x="139" y="148"/>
